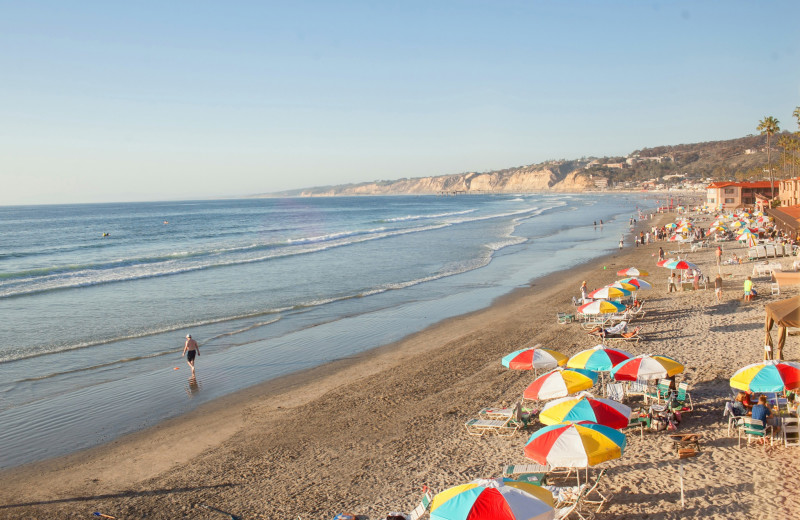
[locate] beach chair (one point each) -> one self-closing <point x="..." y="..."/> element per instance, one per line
<point x="775" y="288"/>
<point x="787" y="250"/>
<point x="637" y="420"/>
<point x="481" y="427"/>
<point x="661" y="393"/>
<point x="791" y="431"/>
<point x="564" y="317"/>
<point x="754" y="430"/>
<point x="632" y="336"/>
<point x="637" y="388"/>
<point x="769" y="250"/>
<point x="682" y="396"/>
<point x="594" y="497"/>
<point x="531" y="473"/>
<point x="761" y="252"/>
<point x="422" y="507"/>
<point x="615" y="391"/>
<point x="752" y="254"/>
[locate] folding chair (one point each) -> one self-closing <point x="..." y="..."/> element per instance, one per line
<point x="615" y="391"/>
<point x="791" y="431"/>
<point x="753" y="430"/>
<point x="422" y="507"/>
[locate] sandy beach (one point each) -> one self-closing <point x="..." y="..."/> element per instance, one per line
<point x="365" y="434"/>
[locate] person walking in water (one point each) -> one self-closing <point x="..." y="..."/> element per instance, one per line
<point x="191" y="348"/>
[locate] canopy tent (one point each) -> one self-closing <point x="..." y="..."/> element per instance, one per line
<point x="784" y="314"/>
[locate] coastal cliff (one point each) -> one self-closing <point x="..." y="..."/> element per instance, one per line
<point x="555" y="176"/>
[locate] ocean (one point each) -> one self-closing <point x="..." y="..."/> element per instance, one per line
<point x="96" y="299"/>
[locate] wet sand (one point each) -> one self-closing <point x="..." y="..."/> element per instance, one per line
<point x="364" y="434"/>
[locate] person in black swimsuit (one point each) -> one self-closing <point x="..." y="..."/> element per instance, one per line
<point x="190" y="349"/>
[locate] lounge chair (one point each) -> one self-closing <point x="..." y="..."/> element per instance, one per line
<point x="769" y="250"/>
<point x="564" y="318"/>
<point x="632" y="336"/>
<point x="752" y="254"/>
<point x="531" y="473"/>
<point x="614" y="330"/>
<point x="481" y="427"/>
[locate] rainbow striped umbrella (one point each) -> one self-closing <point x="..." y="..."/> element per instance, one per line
<point x="646" y="367"/>
<point x="560" y="383"/>
<point x="767" y="376"/>
<point x="575" y="445"/>
<point x="606" y="293"/>
<point x="601" y="307"/>
<point x="661" y="263"/>
<point x="599" y="358"/>
<point x="641" y="284"/>
<point x="586" y="407"/>
<point x="680" y="264"/>
<point x="632" y="271"/>
<point x="533" y="358"/>
<point x="493" y="499"/>
<point x="623" y="285"/>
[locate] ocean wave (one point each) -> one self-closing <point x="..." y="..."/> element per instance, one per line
<point x="427" y="216"/>
<point x="63" y="277"/>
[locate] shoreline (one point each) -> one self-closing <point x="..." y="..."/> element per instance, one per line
<point x="370" y="430"/>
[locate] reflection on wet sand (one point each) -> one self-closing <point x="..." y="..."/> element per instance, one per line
<point x="192" y="387"/>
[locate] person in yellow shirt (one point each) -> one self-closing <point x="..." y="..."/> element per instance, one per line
<point x="748" y="289"/>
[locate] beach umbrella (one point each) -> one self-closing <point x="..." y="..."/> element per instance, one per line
<point x="533" y="358"/>
<point x="560" y="383"/>
<point x="646" y="366"/>
<point x="680" y="264"/>
<point x="586" y="407"/>
<point x="632" y="272"/>
<point x="767" y="376"/>
<point x="490" y="499"/>
<point x="609" y="292"/>
<point x="661" y="263"/>
<point x="641" y="284"/>
<point x="623" y="285"/>
<point x="601" y="307"/>
<point x="598" y="358"/>
<point x="671" y="225"/>
<point x="575" y="445"/>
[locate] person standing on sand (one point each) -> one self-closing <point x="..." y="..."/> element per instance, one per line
<point x="584" y="292"/>
<point x="719" y="255"/>
<point x="671" y="281"/>
<point x="718" y="287"/>
<point x="621" y="241"/>
<point x="660" y="253"/>
<point x="748" y="288"/>
<point x="191" y="348"/>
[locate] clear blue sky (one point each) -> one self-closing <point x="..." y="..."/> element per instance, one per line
<point x="115" y="101"/>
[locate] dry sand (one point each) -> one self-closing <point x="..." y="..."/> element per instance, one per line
<point x="365" y="434"/>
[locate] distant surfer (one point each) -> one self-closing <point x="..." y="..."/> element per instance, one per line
<point x="105" y="234"/>
<point x="190" y="349"/>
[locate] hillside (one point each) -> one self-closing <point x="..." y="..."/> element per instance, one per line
<point x="741" y="158"/>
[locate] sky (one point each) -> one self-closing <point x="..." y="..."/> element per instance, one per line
<point x="134" y="101"/>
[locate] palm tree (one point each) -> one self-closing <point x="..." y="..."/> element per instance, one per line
<point x="785" y="142"/>
<point x="769" y="127"/>
<point x="796" y="115"/>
